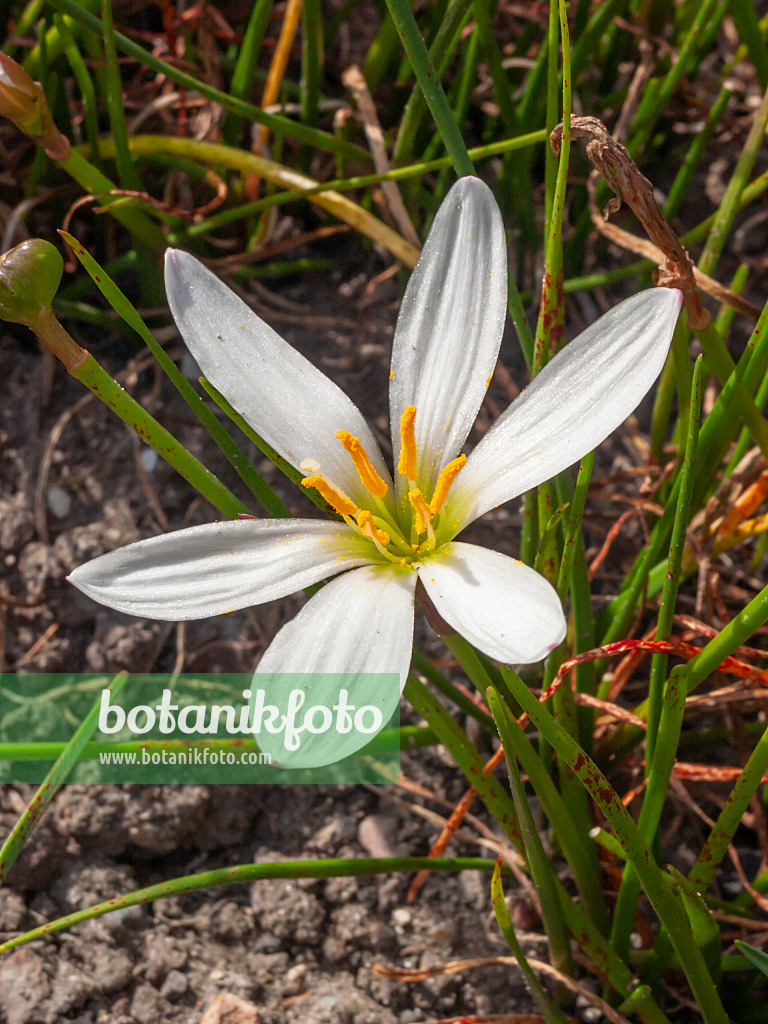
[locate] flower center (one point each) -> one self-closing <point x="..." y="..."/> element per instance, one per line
<point x="403" y="535"/>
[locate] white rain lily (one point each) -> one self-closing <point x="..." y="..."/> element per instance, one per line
<point x="395" y="532"/>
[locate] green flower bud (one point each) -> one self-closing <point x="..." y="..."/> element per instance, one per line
<point x="23" y="101"/>
<point x="30" y="274"/>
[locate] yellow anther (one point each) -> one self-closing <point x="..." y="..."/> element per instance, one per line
<point x="371" y="479"/>
<point x="444" y="482"/>
<point x="369" y="528"/>
<point x="335" y="498"/>
<point x="407" y="465"/>
<point x="421" y="508"/>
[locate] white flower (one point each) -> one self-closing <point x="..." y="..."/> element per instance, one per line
<point x="395" y="533"/>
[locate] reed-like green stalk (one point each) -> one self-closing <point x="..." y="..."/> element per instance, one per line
<point x="674" y="563"/>
<point x="235" y="456"/>
<point x="668" y="907"/>
<point x="239" y="873"/>
<point x="428" y="79"/>
<point x="245" y="67"/>
<point x="552" y="1014"/>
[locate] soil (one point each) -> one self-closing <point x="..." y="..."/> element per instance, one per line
<point x="74" y="483"/>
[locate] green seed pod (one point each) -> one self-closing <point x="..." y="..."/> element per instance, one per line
<point x="30" y="274"/>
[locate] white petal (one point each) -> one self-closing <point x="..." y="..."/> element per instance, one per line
<point x="219" y="567"/>
<point x="449" y="328"/>
<point x="286" y="399"/>
<point x="583" y="394"/>
<point x="358" y="624"/>
<point x="503" y="607"/>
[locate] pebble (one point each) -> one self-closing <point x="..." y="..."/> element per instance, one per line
<point x="149" y="459"/>
<point x="174" y="986"/>
<point x="59" y="502"/>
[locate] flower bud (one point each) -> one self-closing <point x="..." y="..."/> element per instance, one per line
<point x="23" y="101"/>
<point x="30" y="274"/>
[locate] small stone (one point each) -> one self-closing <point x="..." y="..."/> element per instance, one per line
<point x="227" y="1008"/>
<point x="524" y="915"/>
<point x="443" y="933"/>
<point x="295" y="980"/>
<point x="12" y="911"/>
<point x="146" y="1007"/>
<point x="401" y="917"/>
<point x="174" y="986"/>
<point x="59" y="502"/>
<point x="149" y="459"/>
<point x="377" y="834"/>
<point x="339" y="829"/>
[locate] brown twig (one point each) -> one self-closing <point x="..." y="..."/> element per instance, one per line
<point x="354" y="81"/>
<point x="416" y="974"/>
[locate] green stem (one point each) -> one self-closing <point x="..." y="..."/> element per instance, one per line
<point x="253" y="480"/>
<point x="746" y="21"/>
<point x="550" y="329"/>
<point x="84" y="368"/>
<point x="541" y="870"/>
<point x="653" y="805"/>
<point x="573" y="527"/>
<point x="114" y="100"/>
<point x="84" y="81"/>
<point x="440" y="53"/>
<point x="225" y="217"/>
<point x="409" y="736"/>
<point x="214" y="154"/>
<point x="669" y="909"/>
<point x="245" y="66"/>
<point x="548" y="1010"/>
<point x="430" y="85"/>
<point x="578" y="849"/>
<point x="240" y="873"/>
<point x="311" y="61"/>
<point x="674" y="563"/>
<point x="123" y="210"/>
<point x="730" y="203"/>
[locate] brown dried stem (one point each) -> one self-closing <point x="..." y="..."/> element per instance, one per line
<point x="622" y="175"/>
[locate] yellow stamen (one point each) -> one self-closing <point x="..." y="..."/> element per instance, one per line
<point x="369" y="528"/>
<point x="371" y="479"/>
<point x="421" y="508"/>
<point x="335" y="498"/>
<point x="407" y="465"/>
<point x="444" y="481"/>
